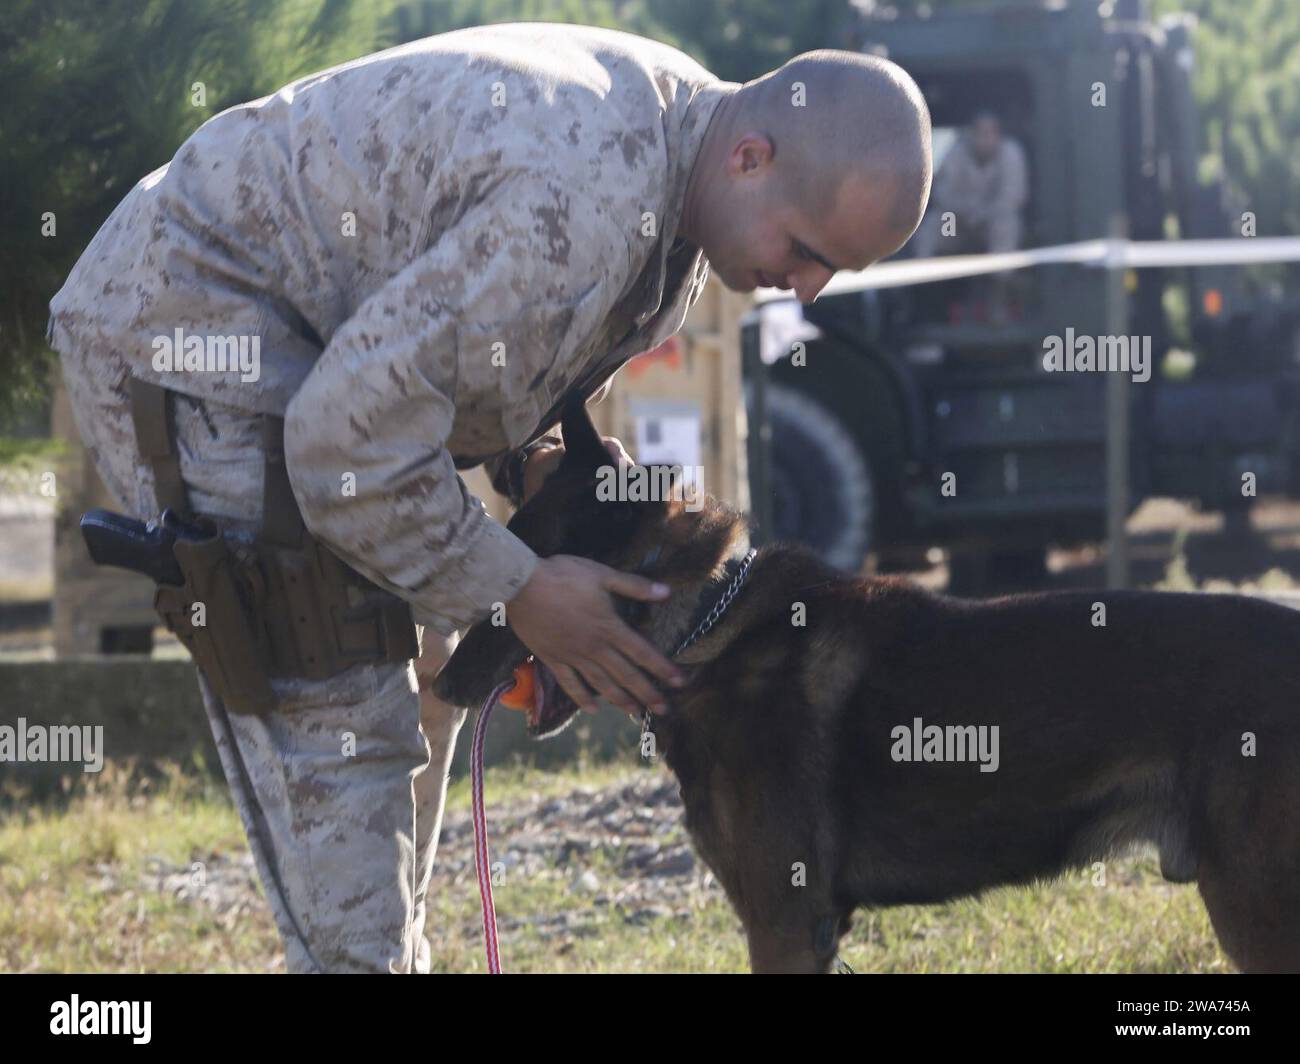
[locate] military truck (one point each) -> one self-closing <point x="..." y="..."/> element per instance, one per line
<point x="901" y="390"/>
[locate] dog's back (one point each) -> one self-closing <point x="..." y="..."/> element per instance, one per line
<point x="902" y="746"/>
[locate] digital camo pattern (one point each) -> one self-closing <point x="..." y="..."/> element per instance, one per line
<point x="343" y="836"/>
<point x="431" y="246"/>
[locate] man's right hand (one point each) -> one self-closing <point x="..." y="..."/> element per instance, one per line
<point x="565" y="616"/>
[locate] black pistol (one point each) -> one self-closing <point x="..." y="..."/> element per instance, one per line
<point x="113" y="539"/>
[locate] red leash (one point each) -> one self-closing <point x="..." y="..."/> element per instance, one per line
<point x="476" y="761"/>
<point x="481" y="863"/>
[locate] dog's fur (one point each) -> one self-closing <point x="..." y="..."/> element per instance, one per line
<point x="781" y="740"/>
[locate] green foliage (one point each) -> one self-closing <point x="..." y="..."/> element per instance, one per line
<point x="96" y="94"/>
<point x="740" y="39"/>
<point x="736" y="39"/>
<point x="1247" y="84"/>
<point x="424" y="18"/>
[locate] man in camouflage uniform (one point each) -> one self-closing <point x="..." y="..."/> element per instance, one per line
<point x="984" y="183"/>
<point x="433" y="247"/>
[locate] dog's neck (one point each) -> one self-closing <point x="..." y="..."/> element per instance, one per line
<point x="673" y="623"/>
<point x="715" y="599"/>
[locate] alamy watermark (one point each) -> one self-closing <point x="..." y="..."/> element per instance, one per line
<point x="953" y="742"/>
<point x="23" y="742"/>
<point x="654" y="483"/>
<point x="180" y="353"/>
<point x="1098" y="354"/>
<point x="77" y="1017"/>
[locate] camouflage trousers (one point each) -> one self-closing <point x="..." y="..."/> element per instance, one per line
<point x="341" y="789"/>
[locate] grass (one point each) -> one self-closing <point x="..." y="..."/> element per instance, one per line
<point x="57" y="915"/>
<point x="30" y="453"/>
<point x="71" y="899"/>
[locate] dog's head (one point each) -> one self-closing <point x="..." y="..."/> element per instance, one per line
<point x="580" y="510"/>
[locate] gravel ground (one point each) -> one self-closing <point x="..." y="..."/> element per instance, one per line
<point x="630" y="830"/>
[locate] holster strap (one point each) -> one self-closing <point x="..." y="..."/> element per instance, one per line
<point x="285" y="607"/>
<point x="282" y="522"/>
<point x="151" y="410"/>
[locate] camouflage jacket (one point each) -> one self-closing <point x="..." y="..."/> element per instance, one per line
<point x="428" y="248"/>
<point x="980" y="191"/>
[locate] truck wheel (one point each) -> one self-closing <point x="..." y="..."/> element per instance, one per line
<point x="823" y="487"/>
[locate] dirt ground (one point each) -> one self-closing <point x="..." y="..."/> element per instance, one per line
<point x="629" y="829"/>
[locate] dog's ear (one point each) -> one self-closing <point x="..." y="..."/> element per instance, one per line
<point x="487" y="656"/>
<point x="584" y="451"/>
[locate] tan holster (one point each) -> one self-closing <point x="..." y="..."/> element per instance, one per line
<point x="283" y="606"/>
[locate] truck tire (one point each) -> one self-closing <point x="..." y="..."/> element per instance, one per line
<point x="823" y="485"/>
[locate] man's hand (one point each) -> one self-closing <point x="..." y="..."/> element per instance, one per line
<point x="542" y="462"/>
<point x="565" y="616"/>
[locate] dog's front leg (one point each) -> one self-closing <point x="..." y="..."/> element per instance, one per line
<point x="776" y="951"/>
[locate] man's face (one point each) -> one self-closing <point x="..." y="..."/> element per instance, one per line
<point x="766" y="238"/>
<point x="986" y="136"/>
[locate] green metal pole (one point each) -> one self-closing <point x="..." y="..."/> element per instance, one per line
<point x="1117" y="426"/>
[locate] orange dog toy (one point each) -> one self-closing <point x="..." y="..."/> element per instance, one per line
<point x="524" y="693"/>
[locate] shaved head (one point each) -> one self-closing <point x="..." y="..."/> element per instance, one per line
<point x="824" y="161"/>
<point x="833" y="115"/>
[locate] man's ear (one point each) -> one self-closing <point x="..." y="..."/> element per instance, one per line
<point x="584" y="450"/>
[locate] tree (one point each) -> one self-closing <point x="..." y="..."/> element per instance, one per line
<point x="1247" y="84"/>
<point x="97" y="93"/>
<point x="742" y="39"/>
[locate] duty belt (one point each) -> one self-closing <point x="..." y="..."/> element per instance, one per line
<point x="282" y="606"/>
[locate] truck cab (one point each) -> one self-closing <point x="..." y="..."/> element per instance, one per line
<point x="918" y="416"/>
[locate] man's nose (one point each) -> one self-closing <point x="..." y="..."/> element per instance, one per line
<point x="808" y="283"/>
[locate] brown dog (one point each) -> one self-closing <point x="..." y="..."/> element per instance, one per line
<point x="845" y="742"/>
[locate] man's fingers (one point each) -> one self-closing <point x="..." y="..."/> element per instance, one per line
<point x="629" y="585"/>
<point x="610" y="689"/>
<point x="639" y="650"/>
<point x="633" y="681"/>
<point x="574" y="687"/>
<point x="645" y="655"/>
